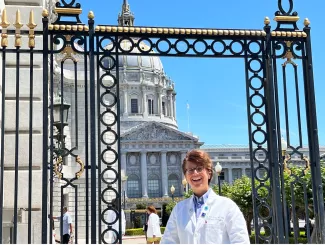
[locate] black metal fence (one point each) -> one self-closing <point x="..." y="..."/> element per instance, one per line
<point x="90" y="112"/>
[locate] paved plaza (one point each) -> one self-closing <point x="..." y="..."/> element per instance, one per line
<point x="134" y="240"/>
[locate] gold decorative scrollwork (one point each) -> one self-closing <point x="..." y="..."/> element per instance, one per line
<point x="285" y="164"/>
<point x="68" y="51"/>
<point x="288" y="55"/>
<point x="57" y="165"/>
<point x="82" y="167"/>
<point x="306" y="159"/>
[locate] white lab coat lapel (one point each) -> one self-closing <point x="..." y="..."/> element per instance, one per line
<point x="205" y="209"/>
<point x="191" y="211"/>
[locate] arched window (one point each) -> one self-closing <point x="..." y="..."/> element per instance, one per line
<point x="174" y="180"/>
<point x="133" y="186"/>
<point x="153" y="186"/>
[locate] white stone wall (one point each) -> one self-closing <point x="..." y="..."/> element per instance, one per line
<point x="10" y="109"/>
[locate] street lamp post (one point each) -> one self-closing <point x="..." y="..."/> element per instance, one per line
<point x="60" y="120"/>
<point x="124" y="179"/>
<point x="218" y="169"/>
<point x="172" y="190"/>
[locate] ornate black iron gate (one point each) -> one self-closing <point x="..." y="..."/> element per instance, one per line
<point x="98" y="48"/>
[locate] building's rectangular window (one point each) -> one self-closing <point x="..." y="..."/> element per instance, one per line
<point x="163" y="106"/>
<point x="236" y="173"/>
<point x="150" y="107"/>
<point x="134" y="106"/>
<point x="153" y="188"/>
<point x="248" y="172"/>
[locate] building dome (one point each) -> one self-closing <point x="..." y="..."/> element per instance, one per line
<point x="137" y="62"/>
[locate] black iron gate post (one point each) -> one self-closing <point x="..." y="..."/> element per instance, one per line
<point x="93" y="140"/>
<point x="318" y="198"/>
<point x="45" y="158"/>
<point x="273" y="149"/>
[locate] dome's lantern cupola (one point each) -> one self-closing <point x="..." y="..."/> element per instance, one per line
<point x="126" y="18"/>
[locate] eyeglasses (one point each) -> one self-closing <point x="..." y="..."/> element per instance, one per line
<point x="191" y="170"/>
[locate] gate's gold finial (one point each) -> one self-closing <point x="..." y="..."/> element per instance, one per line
<point x="91" y="15"/>
<point x="306" y="22"/>
<point x="45" y="13"/>
<point x="4" y="24"/>
<point x="4" y="21"/>
<point x="31" y="25"/>
<point x="266" y="20"/>
<point x="18" y="25"/>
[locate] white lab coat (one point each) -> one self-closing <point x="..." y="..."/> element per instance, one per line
<point x="153" y="226"/>
<point x="110" y="217"/>
<point x="220" y="222"/>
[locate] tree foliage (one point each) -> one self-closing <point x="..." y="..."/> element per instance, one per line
<point x="170" y="206"/>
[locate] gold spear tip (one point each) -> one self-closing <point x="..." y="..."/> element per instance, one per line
<point x="91" y="15"/>
<point x="4" y="21"/>
<point x="267" y="20"/>
<point x="306" y="22"/>
<point x="31" y="23"/>
<point x="18" y="24"/>
<point x="45" y="13"/>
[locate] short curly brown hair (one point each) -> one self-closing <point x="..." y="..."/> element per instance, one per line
<point x="199" y="157"/>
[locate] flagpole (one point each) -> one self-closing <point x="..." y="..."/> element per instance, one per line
<point x="188" y="116"/>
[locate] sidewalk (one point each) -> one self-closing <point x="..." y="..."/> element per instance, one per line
<point x="134" y="240"/>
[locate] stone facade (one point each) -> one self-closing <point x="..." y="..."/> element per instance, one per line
<point x="24" y="118"/>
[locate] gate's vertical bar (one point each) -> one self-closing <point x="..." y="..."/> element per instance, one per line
<point x="86" y="141"/>
<point x="18" y="25"/>
<point x="92" y="125"/>
<point x="118" y="140"/>
<point x="45" y="126"/>
<point x="99" y="141"/>
<point x="272" y="140"/>
<point x="278" y="125"/>
<point x="4" y="43"/>
<point x="313" y="143"/>
<point x="30" y="146"/>
<point x="51" y="160"/>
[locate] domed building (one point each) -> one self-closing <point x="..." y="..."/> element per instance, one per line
<point x="152" y="146"/>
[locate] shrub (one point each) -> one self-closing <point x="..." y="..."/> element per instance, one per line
<point x="170" y="206"/>
<point x="139" y="231"/>
<point x="141" y="206"/>
<point x="301" y="240"/>
<point x="134" y="232"/>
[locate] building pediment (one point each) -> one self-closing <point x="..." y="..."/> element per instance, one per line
<point x="153" y="131"/>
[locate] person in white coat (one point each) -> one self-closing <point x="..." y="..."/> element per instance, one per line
<point x="153" y="231"/>
<point x="110" y="218"/>
<point x="205" y="217"/>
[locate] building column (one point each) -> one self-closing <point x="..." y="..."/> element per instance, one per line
<point x="144" y="103"/>
<point x="161" y="107"/>
<point x="243" y="172"/>
<point x="164" y="175"/>
<point x="123" y="172"/>
<point x="183" y="155"/>
<point x="171" y="105"/>
<point x="144" y="175"/>
<point x="125" y="102"/>
<point x="230" y="175"/>
<point x="174" y="104"/>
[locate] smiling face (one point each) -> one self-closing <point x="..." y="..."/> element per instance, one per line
<point x="197" y="168"/>
<point x="198" y="178"/>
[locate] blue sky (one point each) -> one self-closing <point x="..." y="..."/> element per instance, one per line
<point x="215" y="88"/>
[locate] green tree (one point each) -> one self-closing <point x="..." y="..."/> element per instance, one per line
<point x="170" y="206"/>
